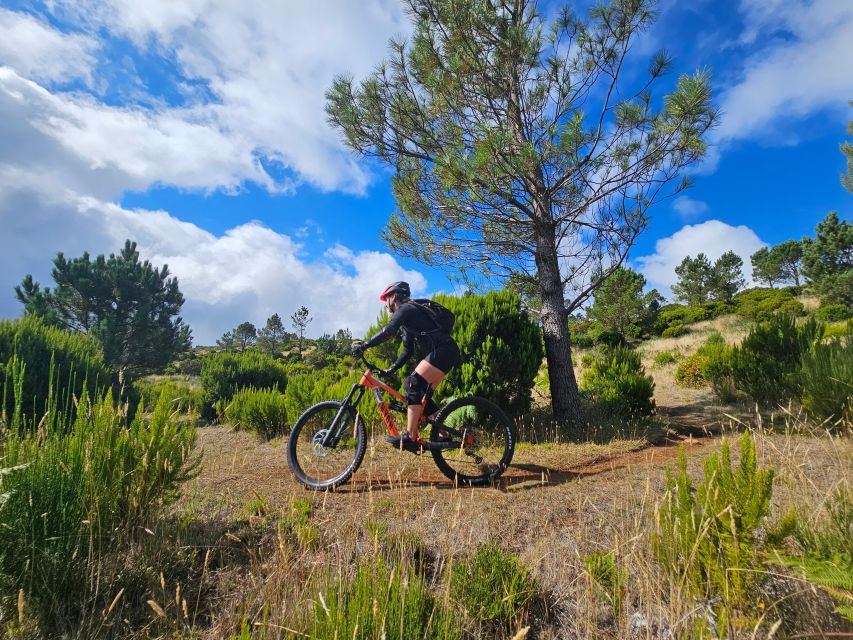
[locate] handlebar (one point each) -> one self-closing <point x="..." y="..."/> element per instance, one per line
<point x="374" y="368"/>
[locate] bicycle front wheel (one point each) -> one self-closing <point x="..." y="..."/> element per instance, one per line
<point x="324" y="467"/>
<point x="473" y="441"/>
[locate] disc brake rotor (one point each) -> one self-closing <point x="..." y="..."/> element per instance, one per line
<point x="317" y="447"/>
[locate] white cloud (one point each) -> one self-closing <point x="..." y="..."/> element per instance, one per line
<point x="43" y="53"/>
<point x="713" y="238"/>
<point x="688" y="208"/>
<point x="265" y="68"/>
<point x="798" y="69"/>
<point x="248" y="273"/>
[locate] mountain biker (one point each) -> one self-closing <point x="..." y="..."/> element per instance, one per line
<point x="416" y="325"/>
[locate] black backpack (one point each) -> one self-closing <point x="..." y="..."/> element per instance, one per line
<point x="440" y="315"/>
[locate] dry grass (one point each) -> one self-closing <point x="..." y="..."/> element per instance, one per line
<point x="557" y="503"/>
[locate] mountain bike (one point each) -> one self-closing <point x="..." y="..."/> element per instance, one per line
<point x="471" y="439"/>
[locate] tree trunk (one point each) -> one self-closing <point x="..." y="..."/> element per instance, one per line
<point x="565" y="397"/>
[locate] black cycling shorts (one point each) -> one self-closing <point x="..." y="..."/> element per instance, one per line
<point x="444" y="356"/>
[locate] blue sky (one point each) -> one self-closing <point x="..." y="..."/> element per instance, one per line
<point x="197" y="129"/>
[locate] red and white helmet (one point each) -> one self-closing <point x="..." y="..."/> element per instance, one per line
<point x="396" y="287"/>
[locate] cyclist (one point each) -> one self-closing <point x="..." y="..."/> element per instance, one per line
<point x="416" y="325"/>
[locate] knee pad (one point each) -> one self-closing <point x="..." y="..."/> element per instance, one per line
<point x="416" y="388"/>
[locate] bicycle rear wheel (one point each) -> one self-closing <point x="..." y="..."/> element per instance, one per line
<point x="325" y="467"/>
<point x="472" y="441"/>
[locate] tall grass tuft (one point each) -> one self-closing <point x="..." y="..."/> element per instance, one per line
<point x="382" y="602"/>
<point x="186" y="398"/>
<point x="705" y="538"/>
<point x="259" y="410"/>
<point x="77" y="487"/>
<point x="493" y="586"/>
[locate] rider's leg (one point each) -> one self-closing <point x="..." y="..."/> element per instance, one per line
<point x="432" y="375"/>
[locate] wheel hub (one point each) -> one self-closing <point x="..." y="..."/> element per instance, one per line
<point x="317" y="447"/>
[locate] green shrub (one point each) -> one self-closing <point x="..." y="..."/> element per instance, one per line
<point x="717" y="308"/>
<point x="678" y="314"/>
<point x="674" y="330"/>
<point x="610" y="339"/>
<point x="826" y="378"/>
<point x="185" y="397"/>
<point x="827" y="544"/>
<point x="79" y="488"/>
<point x="766" y="364"/>
<point x="259" y="410"/>
<point x="689" y="372"/>
<point x="835" y="330"/>
<point x="608" y="579"/>
<point x="224" y="373"/>
<point x="377" y="603"/>
<point x="493" y="585"/>
<point x="667" y="357"/>
<point x="706" y="539"/>
<point x="53" y="357"/>
<point x="617" y="385"/>
<point x="502" y="349"/>
<point x="307" y="389"/>
<point x="833" y="313"/>
<point x="761" y="304"/>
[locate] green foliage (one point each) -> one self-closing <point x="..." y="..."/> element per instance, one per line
<point x="828" y="260"/>
<point x="762" y="304"/>
<point x="493" y="585"/>
<point x="778" y="264"/>
<point x="50" y="356"/>
<point x="706" y="539"/>
<point x="689" y="372"/>
<point x="676" y="315"/>
<point x="670" y="356"/>
<point x="616" y="383"/>
<point x="501" y="346"/>
<point x="300" y="320"/>
<point x="827" y="545"/>
<point x="259" y="410"/>
<point x="833" y="313"/>
<point x="130" y="307"/>
<point x="766" y="364"/>
<point x="185" y="397"/>
<point x="272" y="337"/>
<point x="80" y="487"/>
<point x="835" y="330"/>
<point x="620" y="305"/>
<point x="674" y="330"/>
<point x="240" y="338"/>
<point x="306" y="389"/>
<point x="699" y="281"/>
<point x="223" y="374"/>
<point x="607" y="577"/>
<point x="379" y="603"/>
<point x="727" y="278"/>
<point x="826" y="378"/>
<point x="847" y="150"/>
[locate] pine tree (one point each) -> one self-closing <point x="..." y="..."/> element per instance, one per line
<point x="694" y="278"/>
<point x="522" y="151"/>
<point x="620" y="305"/>
<point x="273" y="336"/>
<point x="765" y="269"/>
<point x="726" y="277"/>
<point x="130" y="307"/>
<point x="828" y="260"/>
<point x="300" y="322"/>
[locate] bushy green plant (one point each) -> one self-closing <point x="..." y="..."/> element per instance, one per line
<point x="835" y="330"/>
<point x="52" y="357"/>
<point x="689" y="372"/>
<point x="493" y="585"/>
<point x="224" y="373"/>
<point x="827" y="545"/>
<point x="679" y="314"/>
<point x="262" y="411"/>
<point x="502" y="349"/>
<point x="833" y="313"/>
<point x="674" y="330"/>
<point x="607" y="577"/>
<point x="761" y="304"/>
<point x="186" y="398"/>
<point x="379" y="603"/>
<point x="706" y="539"/>
<point x="80" y="487"/>
<point x="617" y="385"/>
<point x="826" y="377"/>
<point x="305" y="390"/>
<point x="766" y="364"/>
<point x="667" y="357"/>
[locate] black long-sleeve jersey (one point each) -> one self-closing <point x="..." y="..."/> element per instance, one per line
<point x="416" y="326"/>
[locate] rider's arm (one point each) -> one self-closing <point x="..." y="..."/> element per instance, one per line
<point x="405" y="354"/>
<point x="388" y="331"/>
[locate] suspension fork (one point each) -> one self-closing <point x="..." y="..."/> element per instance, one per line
<point x="335" y="429"/>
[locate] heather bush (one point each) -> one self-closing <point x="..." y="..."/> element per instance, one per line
<point x="761" y="304"/>
<point x="616" y="384"/>
<point x="833" y="313"/>
<point x="225" y="373"/>
<point x="766" y="364"/>
<point x="185" y="398"/>
<point x="826" y="378"/>
<point x="259" y="410"/>
<point x="51" y="357"/>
